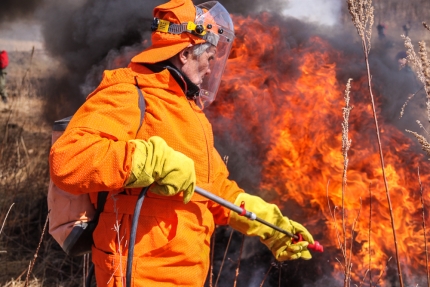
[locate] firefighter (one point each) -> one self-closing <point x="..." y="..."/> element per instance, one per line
<point x="103" y="149"/>
<point x="4" y="61"/>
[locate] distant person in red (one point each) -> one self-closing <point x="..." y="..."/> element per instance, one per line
<point x="4" y="61"/>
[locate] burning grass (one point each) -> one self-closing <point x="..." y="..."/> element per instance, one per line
<point x="289" y="117"/>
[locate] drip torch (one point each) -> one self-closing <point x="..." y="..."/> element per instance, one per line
<point x="252" y="216"/>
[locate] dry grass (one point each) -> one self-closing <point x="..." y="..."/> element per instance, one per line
<point x="362" y="16"/>
<point x="24" y="175"/>
<point x="421" y="66"/>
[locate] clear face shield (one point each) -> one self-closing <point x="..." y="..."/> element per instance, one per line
<point x="220" y="33"/>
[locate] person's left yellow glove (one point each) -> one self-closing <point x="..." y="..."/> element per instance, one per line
<point x="280" y="244"/>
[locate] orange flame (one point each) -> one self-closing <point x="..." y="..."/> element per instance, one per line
<point x="286" y="93"/>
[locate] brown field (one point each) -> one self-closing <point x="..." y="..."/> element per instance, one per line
<point x="24" y="177"/>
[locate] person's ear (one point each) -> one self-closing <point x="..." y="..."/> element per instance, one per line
<point x="185" y="54"/>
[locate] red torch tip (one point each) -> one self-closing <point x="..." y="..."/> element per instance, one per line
<point x="317" y="247"/>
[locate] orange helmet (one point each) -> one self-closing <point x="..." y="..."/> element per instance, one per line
<point x="176" y="25"/>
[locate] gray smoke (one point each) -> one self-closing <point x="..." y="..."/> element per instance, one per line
<point x="18" y="9"/>
<point x="83" y="35"/>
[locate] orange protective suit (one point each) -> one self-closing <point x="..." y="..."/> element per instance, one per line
<point x="173" y="239"/>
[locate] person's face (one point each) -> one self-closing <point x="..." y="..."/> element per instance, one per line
<point x="197" y="67"/>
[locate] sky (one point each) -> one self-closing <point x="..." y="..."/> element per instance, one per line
<point x="320" y="11"/>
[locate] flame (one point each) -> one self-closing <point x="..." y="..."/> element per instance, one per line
<point x="283" y="94"/>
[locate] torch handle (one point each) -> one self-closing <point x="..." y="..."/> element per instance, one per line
<point x="252" y="216"/>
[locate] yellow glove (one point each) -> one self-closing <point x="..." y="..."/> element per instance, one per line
<point x="155" y="161"/>
<point x="280" y="244"/>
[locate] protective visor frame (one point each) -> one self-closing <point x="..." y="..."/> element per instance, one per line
<point x="220" y="23"/>
<point x="215" y="27"/>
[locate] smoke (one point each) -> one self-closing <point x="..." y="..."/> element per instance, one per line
<point x="11" y="10"/>
<point x="85" y="36"/>
<point x="325" y="12"/>
<point x="89" y="36"/>
<point x="246" y="7"/>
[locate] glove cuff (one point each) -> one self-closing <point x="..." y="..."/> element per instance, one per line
<point x="138" y="176"/>
<point x="262" y="209"/>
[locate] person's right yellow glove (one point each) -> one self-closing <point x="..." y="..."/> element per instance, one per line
<point x="280" y="244"/>
<point x="155" y="161"/>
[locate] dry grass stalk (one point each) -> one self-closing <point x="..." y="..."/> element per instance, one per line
<point x="364" y="277"/>
<point x="362" y="18"/>
<point x="225" y="256"/>
<point x="426" y="72"/>
<point x="382" y="272"/>
<point x="402" y="110"/>
<point x="422" y="140"/>
<point x="352" y="239"/>
<point x="19" y="283"/>
<point x="238" y="261"/>
<point x="413" y="58"/>
<point x="212" y="258"/>
<point x="267" y="273"/>
<point x="424" y="228"/>
<point x="25" y="150"/>
<point x="347" y="264"/>
<point x="18" y="154"/>
<point x="4" y="220"/>
<point x="29" y="67"/>
<point x="333" y="216"/>
<point x="31" y="265"/>
<point x="280" y="274"/>
<point x="117" y="227"/>
<point x="421" y="126"/>
<point x="225" y="158"/>
<point x="370" y="228"/>
<point x="421" y="65"/>
<point x="346" y="145"/>
<point x="85" y="268"/>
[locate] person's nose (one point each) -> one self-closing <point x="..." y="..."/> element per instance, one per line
<point x="208" y="71"/>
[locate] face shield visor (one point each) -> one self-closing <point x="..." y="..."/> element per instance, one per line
<point x="220" y="33"/>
